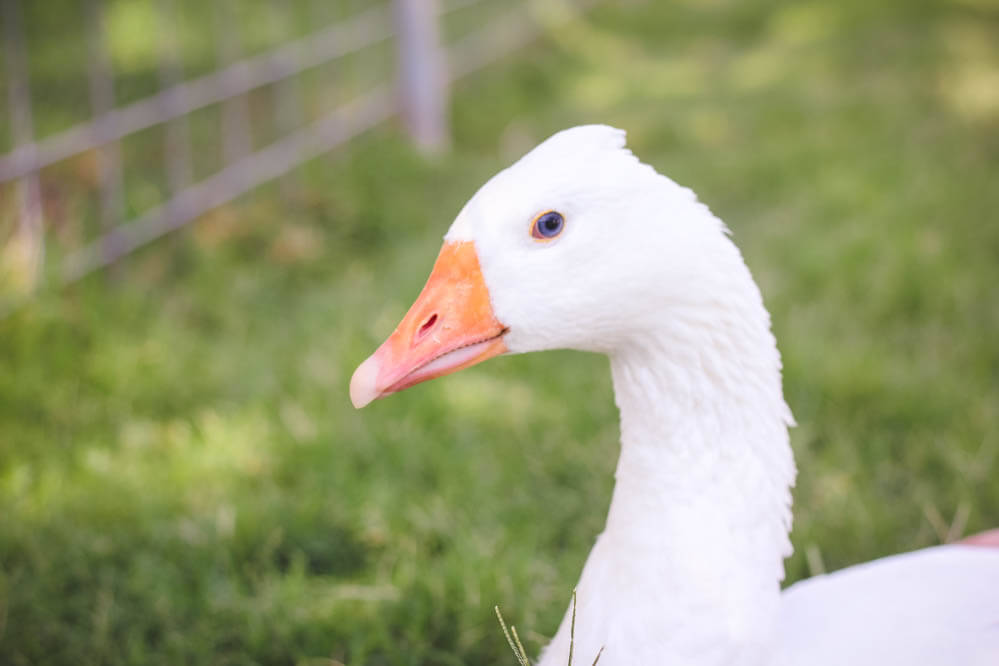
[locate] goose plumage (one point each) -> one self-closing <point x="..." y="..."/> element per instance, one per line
<point x="688" y="569"/>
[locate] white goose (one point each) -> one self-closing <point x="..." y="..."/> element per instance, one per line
<point x="579" y="245"/>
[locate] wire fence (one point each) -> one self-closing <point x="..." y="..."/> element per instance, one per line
<point x="426" y="62"/>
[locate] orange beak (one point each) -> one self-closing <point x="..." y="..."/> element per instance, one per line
<point x="450" y="326"/>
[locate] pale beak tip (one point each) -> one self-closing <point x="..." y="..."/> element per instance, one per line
<point x="363" y="384"/>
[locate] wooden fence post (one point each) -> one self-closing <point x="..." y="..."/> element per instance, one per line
<point x="422" y="79"/>
<point x="177" y="150"/>
<point x="27" y="251"/>
<point x="237" y="138"/>
<point x="102" y="101"/>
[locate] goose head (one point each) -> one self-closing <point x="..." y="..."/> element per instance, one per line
<point x="578" y="245"/>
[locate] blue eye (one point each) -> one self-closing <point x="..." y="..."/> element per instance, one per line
<point x="548" y="225"/>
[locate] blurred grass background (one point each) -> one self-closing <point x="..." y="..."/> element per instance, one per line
<point x="183" y="480"/>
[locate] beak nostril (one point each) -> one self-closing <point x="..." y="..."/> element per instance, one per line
<point x="427" y="325"/>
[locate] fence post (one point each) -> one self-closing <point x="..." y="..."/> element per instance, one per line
<point x="286" y="98"/>
<point x="422" y="79"/>
<point x="28" y="247"/>
<point x="177" y="139"/>
<point x="237" y="141"/>
<point x="102" y="101"/>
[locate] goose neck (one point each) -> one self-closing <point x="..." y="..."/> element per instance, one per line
<point x="689" y="566"/>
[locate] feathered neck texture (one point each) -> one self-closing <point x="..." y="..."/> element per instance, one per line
<point x="689" y="566"/>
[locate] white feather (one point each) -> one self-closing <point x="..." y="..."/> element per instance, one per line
<point x="689" y="566"/>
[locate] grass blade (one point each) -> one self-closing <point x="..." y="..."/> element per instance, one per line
<point x="519" y="653"/>
<point x="572" y="627"/>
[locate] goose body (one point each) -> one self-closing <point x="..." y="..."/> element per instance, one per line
<point x="930" y="606"/>
<point x="579" y="245"/>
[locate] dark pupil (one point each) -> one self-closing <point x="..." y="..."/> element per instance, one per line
<point x="550" y="224"/>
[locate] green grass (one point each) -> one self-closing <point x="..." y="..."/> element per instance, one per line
<point x="183" y="480"/>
